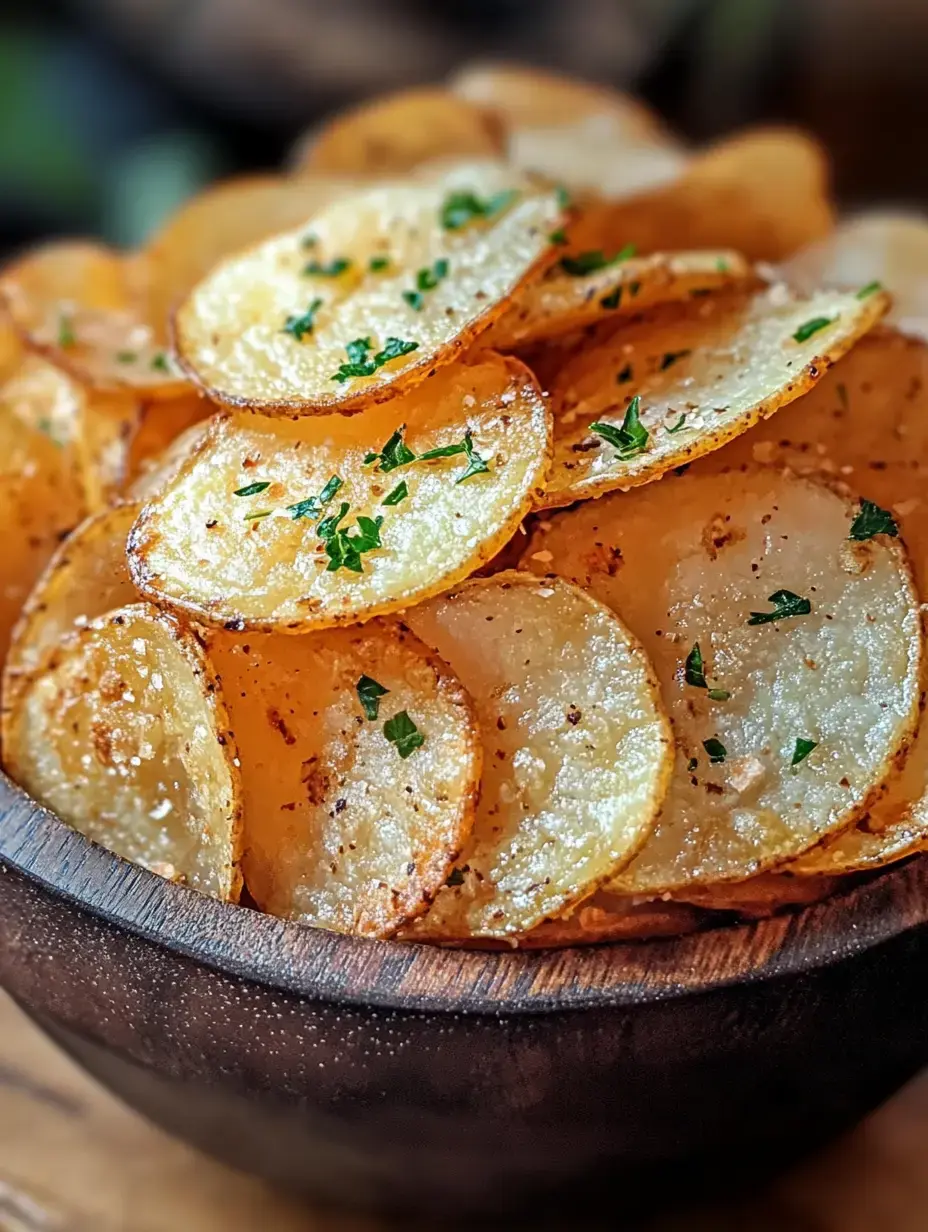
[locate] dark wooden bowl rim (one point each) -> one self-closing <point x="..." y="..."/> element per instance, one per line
<point x="393" y="975"/>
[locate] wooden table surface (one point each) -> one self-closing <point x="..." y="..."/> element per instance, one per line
<point x="72" y="1159"/>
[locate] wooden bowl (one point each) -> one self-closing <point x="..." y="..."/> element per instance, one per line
<point x="405" y="1078"/>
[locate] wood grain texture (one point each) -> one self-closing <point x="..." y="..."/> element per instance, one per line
<point x="398" y="1078"/>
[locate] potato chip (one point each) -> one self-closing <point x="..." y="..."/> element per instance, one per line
<point x="11" y="350"/>
<point x="360" y="765"/>
<point x="764" y="193"/>
<point x="788" y="657"/>
<point x="662" y="391"/>
<point x="313" y="319"/>
<point x="166" y="429"/>
<point x="109" y="424"/>
<point x="328" y="520"/>
<point x="230" y="215"/>
<point x="891" y="248"/>
<point x="760" y="896"/>
<point x="570" y="298"/>
<point x="395" y="134"/>
<point x="41" y="496"/>
<point x="576" y="748"/>
<point x="121" y="732"/>
<point x="85" y="578"/>
<point x="78" y="304"/>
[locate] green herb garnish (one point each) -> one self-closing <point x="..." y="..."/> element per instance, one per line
<point x="360" y="365"/>
<point x="870" y="289"/>
<point x="806" y="330"/>
<point x="562" y="195"/>
<point x="312" y="506"/>
<point x="160" y="363"/>
<point x="369" y="695"/>
<point x="872" y="520"/>
<point x="258" y="515"/>
<point x="694" y="669"/>
<point x="345" y="550"/>
<point x="459" y="209"/>
<point x="802" y="750"/>
<point x="589" y="262"/>
<point x="785" y="604"/>
<point x="716" y="750"/>
<point x="614" y="299"/>
<point x="126" y="357"/>
<point x="678" y="425"/>
<point x="402" y="732"/>
<point x="632" y="438"/>
<point x="394" y="454"/>
<point x="252" y="489"/>
<point x="66" y="336"/>
<point x="427" y="279"/>
<point x="475" y="464"/>
<point x="377" y="265"/>
<point x="330" y="269"/>
<point x="399" y="493"/>
<point x="299" y="325"/>
<point x="558" y="237"/>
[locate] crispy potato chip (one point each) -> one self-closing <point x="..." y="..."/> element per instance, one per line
<point x="41" y="496"/>
<point x="764" y="193"/>
<point x="11" y="350"/>
<point x="78" y="304"/>
<point x="785" y="727"/>
<point x="122" y="733"/>
<point x="866" y="423"/>
<point x="891" y="248"/>
<point x="760" y="896"/>
<point x="644" y="399"/>
<point x="85" y="578"/>
<point x="109" y="424"/>
<point x="360" y="765"/>
<point x="392" y="135"/>
<point x="577" y="750"/>
<point x="166" y="431"/>
<point x="310" y="321"/>
<point x="236" y="538"/>
<point x="224" y="218"/>
<point x="564" y="301"/>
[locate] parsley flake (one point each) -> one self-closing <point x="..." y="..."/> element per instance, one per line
<point x="716" y="750"/>
<point x="476" y="465"/>
<point x="66" y="335"/>
<point x="252" y="489"/>
<point x="359" y="363"/>
<point x="802" y="750"/>
<point x="258" y="515"/>
<point x="785" y="604"/>
<point x="126" y="357"/>
<point x="562" y="195"/>
<point x="298" y="325"/>
<point x="427" y="279"/>
<point x="402" y="732"/>
<point x="369" y="694"/>
<point x="694" y="669"/>
<point x="678" y="425"/>
<point x="312" y="506"/>
<point x="330" y="269"/>
<point x="870" y="289"/>
<point x="872" y="520"/>
<point x="558" y="237"/>
<point x="718" y="695"/>
<point x="595" y="259"/>
<point x="394" y="454"/>
<point x="160" y="363"/>
<point x="632" y="438"/>
<point x="343" y="549"/>
<point x="399" y="493"/>
<point x="377" y="265"/>
<point x="309" y="240"/>
<point x="459" y="209"/>
<point x="808" y="328"/>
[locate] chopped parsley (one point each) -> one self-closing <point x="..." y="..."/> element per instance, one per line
<point x="343" y="549"/>
<point x="461" y="208"/>
<point x="377" y="265"/>
<point x="312" y="506"/>
<point x="359" y="361"/>
<point x="476" y="465"/>
<point x="802" y="750"/>
<point x="330" y="269"/>
<point x="252" y="489"/>
<point x="870" y="289"/>
<point x="632" y="438"/>
<point x="785" y="604"/>
<point x="872" y="520"/>
<point x="394" y="454"/>
<point x="309" y="240"/>
<point x="613" y="299"/>
<point x="160" y="363"/>
<point x="402" y="732"/>
<point x="369" y="695"/>
<point x="808" y="328"/>
<point x="716" y="750"/>
<point x="694" y="673"/>
<point x="258" y="515"/>
<point x="678" y="425"/>
<point x="558" y="237"/>
<point x="671" y="357"/>
<point x="297" y="325"/>
<point x="624" y="376"/>
<point x="126" y="357"/>
<point x="584" y="263"/>
<point x="562" y="196"/>
<point x="427" y="279"/>
<point x="66" y="335"/>
<point x="399" y="493"/>
<point x="721" y="265"/>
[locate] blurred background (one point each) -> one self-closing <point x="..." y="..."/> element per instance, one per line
<point x="113" y="111"/>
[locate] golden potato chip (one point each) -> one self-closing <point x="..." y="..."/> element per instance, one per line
<point x="760" y="896"/>
<point x="788" y="656"/>
<point x="384" y="288"/>
<point x="764" y="193"/>
<point x="85" y="578"/>
<point x="586" y="289"/>
<point x="576" y="748"/>
<point x="78" y="304"/>
<point x="41" y="495"/>
<point x="888" y="247"/>
<point x="122" y="733"/>
<point x="109" y="424"/>
<point x="11" y="350"/>
<point x="328" y="520"/>
<point x="220" y="220"/>
<point x="360" y="765"/>
<point x="662" y="391"/>
<point x="166" y="428"/>
<point x="392" y="135"/>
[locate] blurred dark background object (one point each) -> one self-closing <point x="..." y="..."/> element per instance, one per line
<point x="113" y="111"/>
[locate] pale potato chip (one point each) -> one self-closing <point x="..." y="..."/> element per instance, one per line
<point x="577" y="749"/>
<point x="889" y="247"/>
<point x="760" y="896"/>
<point x="311" y="320"/>
<point x="122" y="733"/>
<point x="80" y="305"/>
<point x="165" y="433"/>
<point x="225" y="217"/>
<point x="360" y="765"/>
<point x="764" y="192"/>
<point x="399" y="132"/>
<point x="785" y="726"/>
<point x="644" y="399"/>
<point x="273" y="524"/>
<point x="109" y="424"/>
<point x="570" y="298"/>
<point x="85" y="578"/>
<point x="41" y="495"/>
